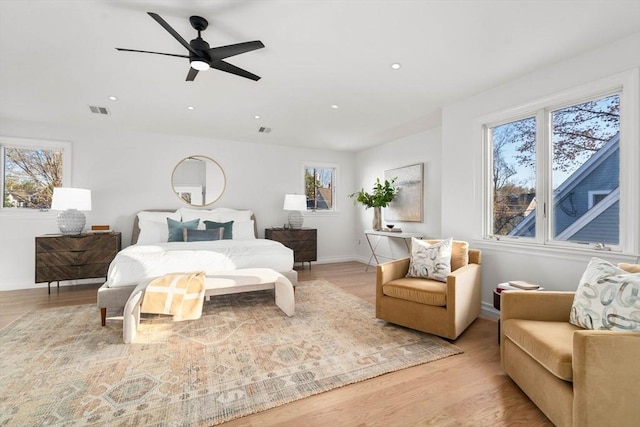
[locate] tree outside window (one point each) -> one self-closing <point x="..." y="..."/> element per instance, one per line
<point x="30" y="172"/>
<point x="583" y="152"/>
<point x="319" y="188"/>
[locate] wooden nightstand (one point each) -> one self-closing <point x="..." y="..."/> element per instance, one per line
<point x="68" y="257"/>
<point x="303" y="241"/>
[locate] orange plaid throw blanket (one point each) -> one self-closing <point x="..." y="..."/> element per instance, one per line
<point x="180" y="295"/>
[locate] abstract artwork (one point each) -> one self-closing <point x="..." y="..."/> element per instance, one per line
<point x="407" y="205"/>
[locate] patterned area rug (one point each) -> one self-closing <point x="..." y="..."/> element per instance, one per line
<point x="59" y="367"/>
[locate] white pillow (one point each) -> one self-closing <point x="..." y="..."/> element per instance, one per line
<point x="153" y="226"/>
<point x="430" y="261"/>
<point x="607" y="298"/>
<point x="215" y="215"/>
<point x="243" y="230"/>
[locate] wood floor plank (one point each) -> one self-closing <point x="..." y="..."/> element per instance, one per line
<point x="469" y="389"/>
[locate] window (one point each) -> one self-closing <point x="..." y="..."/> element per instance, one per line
<point x="319" y="186"/>
<point x="30" y="169"/>
<point x="553" y="174"/>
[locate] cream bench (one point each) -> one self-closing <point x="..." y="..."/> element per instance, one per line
<point x="222" y="283"/>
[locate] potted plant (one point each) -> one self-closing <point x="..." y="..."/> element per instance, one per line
<point x="379" y="197"/>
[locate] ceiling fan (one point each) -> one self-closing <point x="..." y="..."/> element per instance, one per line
<point x="201" y="56"/>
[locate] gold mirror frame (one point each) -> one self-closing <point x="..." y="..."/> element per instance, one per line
<point x="198" y="180"/>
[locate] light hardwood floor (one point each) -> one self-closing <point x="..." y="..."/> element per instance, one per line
<point x="468" y="389"/>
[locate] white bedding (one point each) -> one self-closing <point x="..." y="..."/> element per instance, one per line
<point x="138" y="262"/>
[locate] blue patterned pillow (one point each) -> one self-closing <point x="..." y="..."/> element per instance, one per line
<point x="175" y="228"/>
<point x="607" y="298"/>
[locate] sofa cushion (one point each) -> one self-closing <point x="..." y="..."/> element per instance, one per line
<point x="607" y="298"/>
<point x="430" y="261"/>
<point x="549" y="343"/>
<point x="423" y="291"/>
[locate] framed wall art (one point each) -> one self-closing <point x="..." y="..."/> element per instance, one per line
<point x="407" y="205"/>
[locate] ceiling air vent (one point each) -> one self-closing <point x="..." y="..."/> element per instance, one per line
<point x="99" y="110"/>
<point x="263" y="129"/>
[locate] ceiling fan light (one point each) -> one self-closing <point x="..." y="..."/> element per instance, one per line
<point x="199" y="65"/>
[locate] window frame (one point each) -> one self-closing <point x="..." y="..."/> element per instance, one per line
<point x="627" y="86"/>
<point x="34" y="144"/>
<point x="334" y="186"/>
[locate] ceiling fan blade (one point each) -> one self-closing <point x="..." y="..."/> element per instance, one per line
<point x="192" y="74"/>
<point x="225" y="66"/>
<point x="173" y="32"/>
<point x="156" y="53"/>
<point x="222" y="52"/>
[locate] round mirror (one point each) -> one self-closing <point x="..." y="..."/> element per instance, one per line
<point x="198" y="180"/>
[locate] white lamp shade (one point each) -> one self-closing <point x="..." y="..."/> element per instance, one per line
<point x="295" y="202"/>
<point x="71" y="198"/>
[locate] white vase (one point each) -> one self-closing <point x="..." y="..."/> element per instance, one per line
<point x="377" y="218"/>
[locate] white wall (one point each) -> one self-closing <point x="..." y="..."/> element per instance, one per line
<point x="462" y="160"/>
<point x="128" y="172"/>
<point x="423" y="147"/>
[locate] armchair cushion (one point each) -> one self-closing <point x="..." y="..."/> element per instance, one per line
<point x="430" y="261"/>
<point x="607" y="298"/>
<point x="549" y="343"/>
<point x="423" y="291"/>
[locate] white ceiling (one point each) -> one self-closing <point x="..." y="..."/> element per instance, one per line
<point x="57" y="57"/>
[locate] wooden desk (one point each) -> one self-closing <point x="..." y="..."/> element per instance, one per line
<point x="390" y="235"/>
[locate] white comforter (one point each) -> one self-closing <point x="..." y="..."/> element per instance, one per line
<point x="138" y="262"/>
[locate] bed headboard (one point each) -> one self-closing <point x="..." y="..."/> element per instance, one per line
<point x="136" y="228"/>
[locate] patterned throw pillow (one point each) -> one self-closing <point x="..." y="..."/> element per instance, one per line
<point x="608" y="298"/>
<point x="430" y="261"/>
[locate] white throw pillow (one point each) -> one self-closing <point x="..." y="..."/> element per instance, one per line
<point x="430" y="261"/>
<point x="243" y="230"/>
<point x="215" y="215"/>
<point x="607" y="298"/>
<point x="153" y="226"/>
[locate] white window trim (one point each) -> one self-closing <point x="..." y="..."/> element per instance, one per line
<point x="628" y="85"/>
<point x="592" y="194"/>
<point x="316" y="164"/>
<point x="13" y="142"/>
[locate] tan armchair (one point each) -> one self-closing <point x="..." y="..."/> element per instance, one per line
<point x="443" y="309"/>
<point x="577" y="377"/>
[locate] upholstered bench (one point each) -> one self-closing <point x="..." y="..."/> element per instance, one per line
<point x="229" y="282"/>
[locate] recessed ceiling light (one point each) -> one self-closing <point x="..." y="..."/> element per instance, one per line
<point x="257" y="116"/>
<point x="113" y="98"/>
<point x="334" y="106"/>
<point x="191" y="108"/>
<point x="396" y="65"/>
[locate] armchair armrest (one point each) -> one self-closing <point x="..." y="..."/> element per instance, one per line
<point x="533" y="305"/>
<point x="464" y="294"/>
<point x="606" y="378"/>
<point x="391" y="270"/>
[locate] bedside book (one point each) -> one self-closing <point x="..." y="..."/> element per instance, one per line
<point x="521" y="284"/>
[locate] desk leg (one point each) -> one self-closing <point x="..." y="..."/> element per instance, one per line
<point x="373" y="251"/>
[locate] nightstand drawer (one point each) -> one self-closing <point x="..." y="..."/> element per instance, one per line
<point x="70" y="272"/>
<point x="49" y="259"/>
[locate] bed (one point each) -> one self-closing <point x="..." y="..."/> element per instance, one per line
<point x="216" y="240"/>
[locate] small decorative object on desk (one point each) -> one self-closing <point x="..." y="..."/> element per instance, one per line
<point x="392" y="230"/>
<point x="100" y="229"/>
<point x="520" y="284"/>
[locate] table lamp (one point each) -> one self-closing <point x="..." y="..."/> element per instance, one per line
<point x="295" y="203"/>
<point x="71" y="201"/>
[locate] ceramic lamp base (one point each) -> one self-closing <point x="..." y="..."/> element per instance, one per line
<point x="71" y="221"/>
<point x="295" y="219"/>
